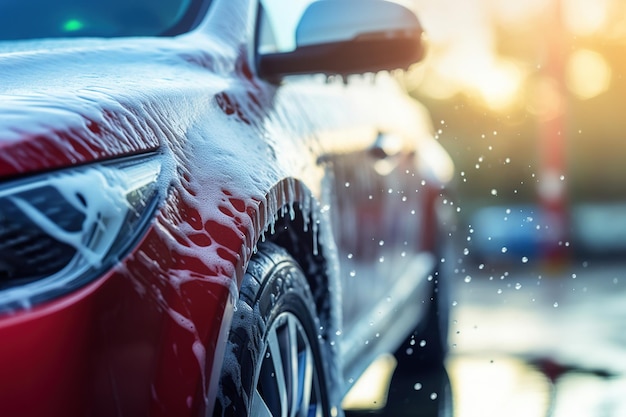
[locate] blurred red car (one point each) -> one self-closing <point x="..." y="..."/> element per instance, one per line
<point x="206" y="208"/>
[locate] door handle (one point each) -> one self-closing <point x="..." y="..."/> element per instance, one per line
<point x="386" y="146"/>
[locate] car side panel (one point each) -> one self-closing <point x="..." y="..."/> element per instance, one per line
<point x="237" y="153"/>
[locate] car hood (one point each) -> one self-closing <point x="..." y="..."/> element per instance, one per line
<point x="68" y="102"/>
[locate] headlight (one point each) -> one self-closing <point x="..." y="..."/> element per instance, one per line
<point x="59" y="231"/>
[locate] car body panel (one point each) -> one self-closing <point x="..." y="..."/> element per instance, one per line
<point x="238" y="154"/>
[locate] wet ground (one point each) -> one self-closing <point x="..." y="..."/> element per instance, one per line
<point x="531" y="342"/>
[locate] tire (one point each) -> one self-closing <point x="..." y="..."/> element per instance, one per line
<point x="273" y="364"/>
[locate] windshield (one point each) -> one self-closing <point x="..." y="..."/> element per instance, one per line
<point x="33" y="19"/>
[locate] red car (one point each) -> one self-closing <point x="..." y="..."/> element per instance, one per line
<point x="224" y="207"/>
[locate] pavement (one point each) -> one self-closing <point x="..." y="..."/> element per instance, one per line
<point x="527" y="340"/>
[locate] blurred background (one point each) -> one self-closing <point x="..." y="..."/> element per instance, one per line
<point x="527" y="97"/>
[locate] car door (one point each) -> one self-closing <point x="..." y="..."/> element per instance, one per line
<point x="366" y="133"/>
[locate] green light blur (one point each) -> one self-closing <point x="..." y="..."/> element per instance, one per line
<point x="72" y="25"/>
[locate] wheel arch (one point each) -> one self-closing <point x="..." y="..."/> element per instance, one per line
<point x="290" y="217"/>
<point x="291" y="233"/>
<point x="295" y="222"/>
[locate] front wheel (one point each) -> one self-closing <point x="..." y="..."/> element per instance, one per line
<point x="273" y="365"/>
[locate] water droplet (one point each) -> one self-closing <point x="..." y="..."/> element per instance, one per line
<point x="466" y="250"/>
<point x="433" y="396"/>
<point x="381" y="243"/>
<point x="338" y="332"/>
<point x="347" y="184"/>
<point x="422" y="343"/>
<point x="417" y="386"/>
<point x="504" y="249"/>
<point x="350" y="256"/>
<point x="454" y="304"/>
<point x="524" y="259"/>
<point x="381" y="259"/>
<point x="353" y="273"/>
<point x="494" y="191"/>
<point x="468" y="279"/>
<point x="555" y="305"/>
<point x="499" y="291"/>
<point x="518" y="286"/>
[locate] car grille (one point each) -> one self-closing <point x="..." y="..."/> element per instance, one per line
<point x="27" y="252"/>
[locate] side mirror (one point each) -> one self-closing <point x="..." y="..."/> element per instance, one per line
<point x="346" y="37"/>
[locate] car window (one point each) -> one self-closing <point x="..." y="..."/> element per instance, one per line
<point x="33" y="19"/>
<point x="278" y="22"/>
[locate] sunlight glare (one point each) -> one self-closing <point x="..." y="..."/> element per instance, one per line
<point x="500" y="84"/>
<point x="370" y="390"/>
<point x="484" y="387"/>
<point x="585" y="17"/>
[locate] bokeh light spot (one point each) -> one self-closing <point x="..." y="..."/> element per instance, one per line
<point x="588" y="74"/>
